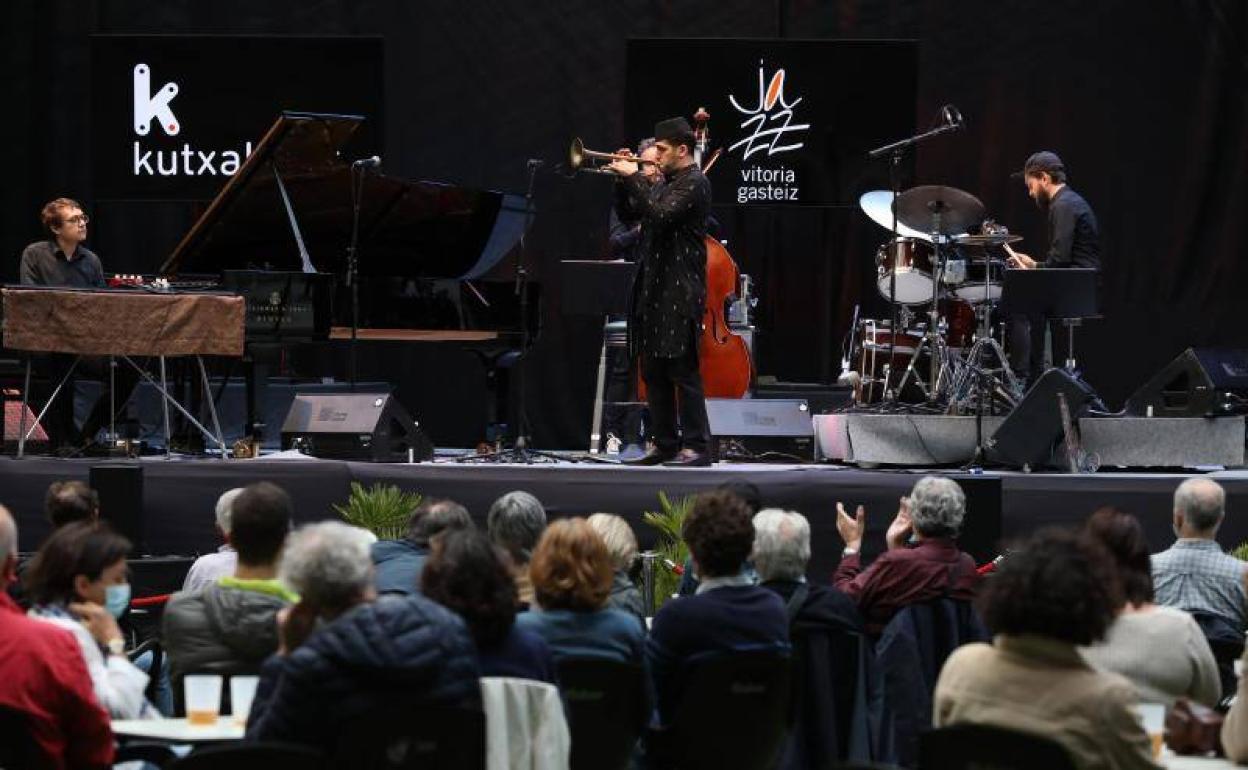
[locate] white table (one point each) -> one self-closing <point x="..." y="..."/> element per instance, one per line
<point x="178" y="731"/>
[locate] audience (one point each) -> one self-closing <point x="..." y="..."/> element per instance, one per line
<point x="728" y="613"/>
<point x="470" y="575"/>
<point x="70" y="501"/>
<point x="1057" y="591"/>
<point x="781" y="553"/>
<point x="77" y="581"/>
<point x="45" y="679"/>
<point x="1235" y="728"/>
<point x="1194" y="574"/>
<point x="399" y="562"/>
<point x="572" y="576"/>
<point x="211" y="566"/>
<point x="1160" y="649"/>
<point x="622" y="545"/>
<point x="931" y="517"/>
<point x="344" y="654"/>
<point x="228" y="625"/>
<point x="753" y="498"/>
<point x="515" y="522"/>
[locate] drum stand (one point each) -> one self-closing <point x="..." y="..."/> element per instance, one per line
<point x="932" y="340"/>
<point x="986" y="384"/>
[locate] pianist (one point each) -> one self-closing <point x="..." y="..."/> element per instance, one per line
<point x="62" y="260"/>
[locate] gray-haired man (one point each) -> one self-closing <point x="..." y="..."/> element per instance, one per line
<point x="1194" y="574"/>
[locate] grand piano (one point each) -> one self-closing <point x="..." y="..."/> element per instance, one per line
<point x="279" y="234"/>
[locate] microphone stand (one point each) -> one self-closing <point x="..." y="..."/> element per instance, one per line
<point x="896" y="153"/>
<point x="353" y="264"/>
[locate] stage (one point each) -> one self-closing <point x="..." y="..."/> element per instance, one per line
<point x="179" y="493"/>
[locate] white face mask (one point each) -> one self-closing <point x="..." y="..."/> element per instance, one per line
<point x="117" y="599"/>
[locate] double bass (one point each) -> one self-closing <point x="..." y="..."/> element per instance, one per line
<point x="723" y="357"/>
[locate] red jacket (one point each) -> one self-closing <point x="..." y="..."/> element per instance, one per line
<point x="906" y="576"/>
<point x="42" y="675"/>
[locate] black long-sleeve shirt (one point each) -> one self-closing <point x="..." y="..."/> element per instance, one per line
<point x="669" y="292"/>
<point x="44" y="264"/>
<point x="1074" y="238"/>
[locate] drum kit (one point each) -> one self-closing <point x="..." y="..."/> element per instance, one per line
<point x="935" y="267"/>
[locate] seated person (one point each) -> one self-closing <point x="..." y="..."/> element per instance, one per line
<point x="572" y="575"/>
<point x="70" y="501"/>
<point x="344" y="654"/>
<point x="45" y="678"/>
<point x="728" y="613"/>
<point x="1195" y="574"/>
<point x="77" y="581"/>
<point x="515" y="522"/>
<point x="933" y="567"/>
<point x="781" y="553"/>
<point x="399" y="562"/>
<point x="1054" y="593"/>
<point x="211" y="566"/>
<point x="1160" y="649"/>
<point x="622" y="545"/>
<point x="229" y="625"/>
<point x="470" y="575"/>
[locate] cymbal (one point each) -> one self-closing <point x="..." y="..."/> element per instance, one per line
<point x="878" y="205"/>
<point x="991" y="239"/>
<point x="957" y="209"/>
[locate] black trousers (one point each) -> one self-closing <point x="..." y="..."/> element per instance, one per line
<point x="1027" y="345"/>
<point x="675" y="384"/>
<point x="59" y="421"/>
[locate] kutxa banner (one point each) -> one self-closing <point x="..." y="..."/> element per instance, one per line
<point x="793" y="119"/>
<point x="173" y="116"/>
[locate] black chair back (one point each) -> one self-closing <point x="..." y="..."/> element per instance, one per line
<point x="1227" y="644"/>
<point x="252" y="756"/>
<point x="825" y="690"/>
<point x="403" y="738"/>
<point x="735" y="712"/>
<point x="17" y="748"/>
<point x="985" y="747"/>
<point x="607" y="708"/>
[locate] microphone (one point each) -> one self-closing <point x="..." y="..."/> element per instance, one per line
<point x="373" y="162"/>
<point x="952" y="116"/>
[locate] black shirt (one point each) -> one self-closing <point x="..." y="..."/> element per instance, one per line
<point x="1074" y="238"/>
<point x="669" y="292"/>
<point x="44" y="264"/>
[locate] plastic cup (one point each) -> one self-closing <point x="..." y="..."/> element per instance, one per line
<point x="242" y="692"/>
<point x="203" y="698"/>
<point x="1153" y="715"/>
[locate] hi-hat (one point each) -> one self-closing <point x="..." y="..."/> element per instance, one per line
<point x="939" y="209"/>
<point x="988" y="239"/>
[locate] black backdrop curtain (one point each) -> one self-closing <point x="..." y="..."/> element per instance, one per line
<point x="1144" y="101"/>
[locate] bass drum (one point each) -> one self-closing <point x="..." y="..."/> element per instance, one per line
<point x="910" y="260"/>
<point x="960" y="323"/>
<point x="871" y="355"/>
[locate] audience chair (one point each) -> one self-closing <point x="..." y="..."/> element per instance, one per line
<point x="252" y="756"/>
<point x="985" y="747"/>
<point x="735" y="712"/>
<point x="153" y="646"/>
<point x="607" y="707"/>
<point x="428" y="738"/>
<point x="1227" y="645"/>
<point x="834" y="685"/>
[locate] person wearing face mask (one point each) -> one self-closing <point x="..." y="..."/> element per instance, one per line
<point x="1074" y="241"/>
<point x="77" y="581"/>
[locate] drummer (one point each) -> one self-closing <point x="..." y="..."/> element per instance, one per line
<point x="1074" y="241"/>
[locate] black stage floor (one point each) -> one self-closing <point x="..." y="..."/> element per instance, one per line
<point x="178" y="495"/>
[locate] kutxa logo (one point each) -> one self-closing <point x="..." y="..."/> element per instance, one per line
<point x="148" y="105"/>
<point x="770" y="120"/>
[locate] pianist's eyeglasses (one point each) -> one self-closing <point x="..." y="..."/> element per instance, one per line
<point x="81" y="219"/>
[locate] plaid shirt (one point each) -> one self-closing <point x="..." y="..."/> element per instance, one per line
<point x="1195" y="575"/>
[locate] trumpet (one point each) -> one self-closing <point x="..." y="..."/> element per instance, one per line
<point x="595" y="162"/>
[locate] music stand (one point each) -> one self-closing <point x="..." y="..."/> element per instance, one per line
<point x="1065" y="294"/>
<point x="600" y="288"/>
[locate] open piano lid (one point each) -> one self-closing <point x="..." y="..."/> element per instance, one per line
<point x="407" y="229"/>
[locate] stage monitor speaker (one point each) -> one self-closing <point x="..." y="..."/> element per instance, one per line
<point x="354" y="426"/>
<point x="761" y="429"/>
<point x="1027" y="435"/>
<point x="820" y="398"/>
<point x="1200" y="382"/>
<point x="120" y="487"/>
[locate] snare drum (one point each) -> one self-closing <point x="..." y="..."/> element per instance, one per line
<point x="974" y="290"/>
<point x="910" y="259"/>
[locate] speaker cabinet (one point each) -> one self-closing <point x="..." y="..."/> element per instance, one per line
<point x="1028" y="434"/>
<point x="354" y="426"/>
<point x="1200" y="382"/>
<point x="120" y="487"/>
